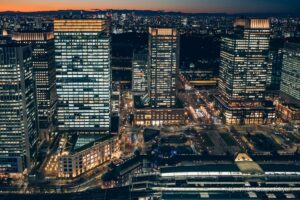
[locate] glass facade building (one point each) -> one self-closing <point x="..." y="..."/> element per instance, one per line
<point x="290" y="79"/>
<point x="18" y="114"/>
<point x="140" y="73"/>
<point x="82" y="55"/>
<point x="243" y="73"/>
<point x="42" y="44"/>
<point x="276" y="57"/>
<point x="163" y="66"/>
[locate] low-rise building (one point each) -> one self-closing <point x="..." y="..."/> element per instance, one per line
<point x="120" y="173"/>
<point x="243" y="179"/>
<point x="145" y="115"/>
<point x="158" y="117"/>
<point x="85" y="152"/>
<point x="289" y="112"/>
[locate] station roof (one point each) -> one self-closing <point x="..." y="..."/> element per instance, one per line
<point x="202" y="168"/>
<point x="280" y="167"/>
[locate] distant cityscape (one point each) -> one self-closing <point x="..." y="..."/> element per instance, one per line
<point x="128" y="104"/>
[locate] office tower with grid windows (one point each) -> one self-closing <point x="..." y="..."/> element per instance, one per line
<point x="163" y="66"/>
<point x="288" y="103"/>
<point x="83" y="73"/>
<point x="18" y="114"/>
<point x="275" y="61"/>
<point x="290" y="78"/>
<point x="160" y="106"/>
<point x="243" y="74"/>
<point x="140" y="73"/>
<point x="42" y="44"/>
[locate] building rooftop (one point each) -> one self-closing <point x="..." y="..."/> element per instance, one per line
<point x="139" y="104"/>
<point x="13" y="44"/>
<point x="81" y="142"/>
<point x="247" y="165"/>
<point x="202" y="168"/>
<point x="280" y="167"/>
<point x="252" y="23"/>
<point x="79" y="25"/>
<point x="38" y="35"/>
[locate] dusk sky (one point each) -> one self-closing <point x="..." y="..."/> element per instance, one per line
<point x="229" y="6"/>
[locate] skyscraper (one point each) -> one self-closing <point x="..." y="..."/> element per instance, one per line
<point x="288" y="103"/>
<point x="290" y="79"/>
<point x="276" y="56"/>
<point x="18" y="117"/>
<point x="140" y="73"/>
<point x="243" y="73"/>
<point x="42" y="44"/>
<point x="163" y="61"/>
<point x="163" y="66"/>
<point x="82" y="55"/>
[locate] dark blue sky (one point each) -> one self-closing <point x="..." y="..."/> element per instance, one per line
<point x="229" y="6"/>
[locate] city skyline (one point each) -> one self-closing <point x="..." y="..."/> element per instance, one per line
<point x="142" y="101"/>
<point x="189" y="6"/>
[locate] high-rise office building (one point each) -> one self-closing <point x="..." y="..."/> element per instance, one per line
<point x="276" y="56"/>
<point x="163" y="66"/>
<point x="42" y="44"/>
<point x="288" y="103"/>
<point x="243" y="73"/>
<point x="140" y="73"/>
<point x="18" y="114"/>
<point x="82" y="56"/>
<point x="290" y="79"/>
<point x="160" y="106"/>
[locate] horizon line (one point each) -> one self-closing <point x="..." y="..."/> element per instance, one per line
<point x="166" y="11"/>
